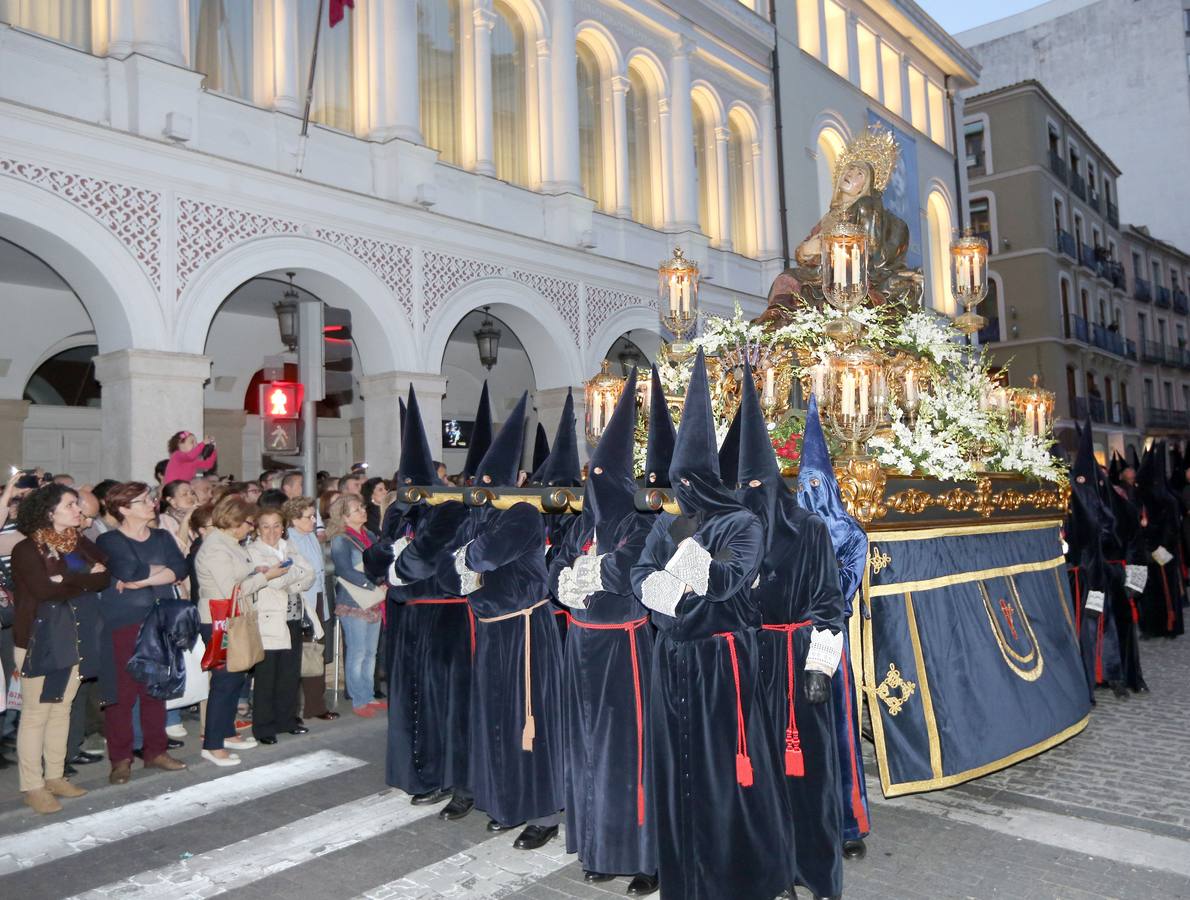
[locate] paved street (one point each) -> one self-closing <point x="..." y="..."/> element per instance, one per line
<point x="1105" y="815"/>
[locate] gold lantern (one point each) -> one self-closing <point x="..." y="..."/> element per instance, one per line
<point x="677" y="286"/>
<point x="856" y="397"/>
<point x="969" y="279"/>
<point x="845" y="277"/>
<point x="601" y="393"/>
<point x="1033" y="409"/>
<point x="910" y="379"/>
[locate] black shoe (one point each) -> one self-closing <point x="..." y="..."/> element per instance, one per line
<point x="84" y="758"/>
<point x="1117" y="688"/>
<point x="299" y="721"/>
<point x="495" y="827"/>
<point x="428" y="798"/>
<point x="596" y="877"/>
<point x="534" y="836"/>
<point x="171" y="744"/>
<point x="456" y="808"/>
<point x="139" y="754"/>
<point x="328" y="716"/>
<point x="379" y="694"/>
<point x="832" y="897"/>
<point x="854" y="849"/>
<point x="267" y="741"/>
<point x="642" y="885"/>
<point x="5" y="762"/>
<point x="301" y="729"/>
<point x="69" y="771"/>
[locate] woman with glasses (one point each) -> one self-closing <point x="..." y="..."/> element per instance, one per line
<point x="145" y="564"/>
<point x="299" y="513"/>
<point x="223" y="567"/>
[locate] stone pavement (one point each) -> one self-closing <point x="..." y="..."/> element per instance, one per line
<point x="311" y="818"/>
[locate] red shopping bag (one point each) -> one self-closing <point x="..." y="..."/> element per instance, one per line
<point x="215" y="656"/>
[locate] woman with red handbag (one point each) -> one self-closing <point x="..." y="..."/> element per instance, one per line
<point x="226" y="571"/>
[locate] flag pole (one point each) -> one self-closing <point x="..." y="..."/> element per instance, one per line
<point x="304" y="136"/>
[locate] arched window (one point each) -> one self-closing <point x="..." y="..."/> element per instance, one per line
<point x="938" y="218"/>
<point x="641" y="116"/>
<point x="334" y="94"/>
<point x="509" y="117"/>
<point x="438" y="75"/>
<point x="741" y="171"/>
<point x="705" y="171"/>
<point x="65" y="379"/>
<point x="590" y="126"/>
<point x="68" y="21"/>
<point x="830" y="145"/>
<point x="221" y="46"/>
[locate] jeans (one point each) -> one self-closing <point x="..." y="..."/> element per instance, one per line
<point x="360" y="659"/>
<point x="221" y="702"/>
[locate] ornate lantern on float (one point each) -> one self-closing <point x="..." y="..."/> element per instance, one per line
<point x="601" y="394"/>
<point x="855" y="397"/>
<point x="1033" y="409"/>
<point x="845" y="277"/>
<point x="910" y="379"/>
<point x="969" y="279"/>
<point x="677" y="294"/>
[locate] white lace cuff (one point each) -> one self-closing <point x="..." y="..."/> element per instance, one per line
<point x="661" y="592"/>
<point x="469" y="581"/>
<point x="1136" y="577"/>
<point x="691" y="565"/>
<point x="826" y="649"/>
<point x="1161" y="556"/>
<point x="393" y="578"/>
<point x="569" y="593"/>
<point x="588" y="573"/>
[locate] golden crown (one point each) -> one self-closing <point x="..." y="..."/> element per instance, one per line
<point x="878" y="148"/>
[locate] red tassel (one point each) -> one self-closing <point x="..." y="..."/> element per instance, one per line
<point x="640" y="805"/>
<point x="743" y="770"/>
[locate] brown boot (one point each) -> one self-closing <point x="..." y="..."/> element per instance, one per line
<point x="40" y="800"/>
<point x="121" y="772"/>
<point x="60" y="787"/>
<point x="165" y="761"/>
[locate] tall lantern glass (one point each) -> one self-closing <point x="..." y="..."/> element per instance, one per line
<point x="601" y="394"/>
<point x="969" y="279"/>
<point x="856" y="389"/>
<point x="677" y="295"/>
<point x="1034" y="409"/>
<point x="845" y="277"/>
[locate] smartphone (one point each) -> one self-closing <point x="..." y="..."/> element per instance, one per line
<point x="287" y="564"/>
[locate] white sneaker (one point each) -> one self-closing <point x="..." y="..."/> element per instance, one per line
<point x="239" y="743"/>
<point x="229" y="760"/>
<point x="177" y="732"/>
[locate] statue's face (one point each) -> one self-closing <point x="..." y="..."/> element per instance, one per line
<point x="853" y="181"/>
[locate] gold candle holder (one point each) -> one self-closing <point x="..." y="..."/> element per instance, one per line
<point x="845" y="277"/>
<point x="969" y="279"/>
<point x="1033" y="409"/>
<point x="601" y="393"/>
<point x="856" y="398"/>
<point x="677" y="288"/>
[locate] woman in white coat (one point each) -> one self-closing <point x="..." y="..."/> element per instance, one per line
<point x="279" y="610"/>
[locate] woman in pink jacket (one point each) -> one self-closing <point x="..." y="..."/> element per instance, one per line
<point x="186" y="457"/>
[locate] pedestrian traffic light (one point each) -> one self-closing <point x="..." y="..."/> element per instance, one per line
<point x="280" y="400"/>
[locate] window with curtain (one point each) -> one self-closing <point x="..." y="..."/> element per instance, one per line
<point x="704" y="160"/>
<point x="640" y="149"/>
<point x="438" y="75"/>
<point x="743" y="189"/>
<point x="590" y="125"/>
<point x="509" y="132"/>
<point x="221" y="45"/>
<point x="334" y="94"/>
<point x="68" y="21"/>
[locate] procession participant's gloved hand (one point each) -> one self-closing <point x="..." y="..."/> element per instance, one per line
<point x="816" y="686"/>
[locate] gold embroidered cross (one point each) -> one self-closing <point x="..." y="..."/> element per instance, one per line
<point x="1009" y="612"/>
<point x="877" y="559"/>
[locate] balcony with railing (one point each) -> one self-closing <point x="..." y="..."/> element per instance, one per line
<point x="1152" y="352"/>
<point x="1079" y="329"/>
<point x="1130" y="348"/>
<point x="1115" y="274"/>
<point x="1164" y="418"/>
<point x="1181" y="303"/>
<point x="1066" y="244"/>
<point x="1078" y="408"/>
<point x="1058" y="165"/>
<point x="1127" y="415"/>
<point x="1113" y="215"/>
<point x="1141" y="290"/>
<point x="1078" y="185"/>
<point x="1183" y="358"/>
<point x="1105" y="338"/>
<point x="1093" y="200"/>
<point x="1086" y="257"/>
<point x="1098" y="409"/>
<point x="1163" y="297"/>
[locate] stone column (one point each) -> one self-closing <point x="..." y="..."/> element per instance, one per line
<point x="484" y="20"/>
<point x="623" y="199"/>
<point x="685" y="190"/>
<point x="549" y="403"/>
<point x="146" y="27"/>
<point x="722" y="188"/>
<point x="853" y="48"/>
<point x="226" y="426"/>
<point x="382" y="420"/>
<point x="12" y="434"/>
<point x="668" y="215"/>
<point x="279" y="68"/>
<point x="147" y="396"/>
<point x="564" y="176"/>
<point x="770" y="220"/>
<point x="906" y="93"/>
<point x="393" y="97"/>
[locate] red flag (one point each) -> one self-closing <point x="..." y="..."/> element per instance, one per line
<point x="336" y="10"/>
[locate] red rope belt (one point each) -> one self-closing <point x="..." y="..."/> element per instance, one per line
<point x="794" y="764"/>
<point x="743" y="763"/>
<point x="1168" y="600"/>
<point x="1123" y="563"/>
<point x="630" y="628"/>
<point x="442" y="601"/>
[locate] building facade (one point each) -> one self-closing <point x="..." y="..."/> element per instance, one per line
<point x="1122" y="69"/>
<point x="1063" y="301"/>
<point x="527" y="160"/>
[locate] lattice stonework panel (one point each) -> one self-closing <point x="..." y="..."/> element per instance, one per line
<point x="392" y="263"/>
<point x="131" y="213"/>
<point x="206" y="229"/>
<point x="443" y="273"/>
<point x="603" y="303"/>
<point x="562" y="295"/>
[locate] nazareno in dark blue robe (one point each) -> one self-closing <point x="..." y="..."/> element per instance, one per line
<point x="609" y="823"/>
<point x="515" y="768"/>
<point x="722" y="831"/>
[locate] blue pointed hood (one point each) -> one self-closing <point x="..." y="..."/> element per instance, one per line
<point x="729" y="452"/>
<point x="481" y="434"/>
<point x="561" y="468"/>
<point x="417" y="463"/>
<point x="541" y="447"/>
<point x="662" y="435"/>
<point x="501" y="464"/>
<point x="694" y="470"/>
<point x="610" y="484"/>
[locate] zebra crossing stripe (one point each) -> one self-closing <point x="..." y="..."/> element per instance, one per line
<point x="261" y="855"/>
<point x="493" y="868"/>
<point x="61" y="839"/>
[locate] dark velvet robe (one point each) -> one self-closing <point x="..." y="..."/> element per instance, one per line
<point x="1088" y="570"/>
<point x="799" y="582"/>
<point x="511" y="784"/>
<point x="557" y="525"/>
<point x="606" y="675"/>
<point x="716" y="837"/>
<point x="1161" y="605"/>
<point x="429" y="678"/>
<point x="1125" y="547"/>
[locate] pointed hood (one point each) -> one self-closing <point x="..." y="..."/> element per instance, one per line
<point x="758" y="461"/>
<point x="541" y="447"/>
<point x="417" y="463"/>
<point x="561" y="468"/>
<point x="501" y="464"/>
<point x="694" y="470"/>
<point x="610" y="483"/>
<point x="662" y="436"/>
<point x="1177" y="469"/>
<point x="403" y="412"/>
<point x="481" y="434"/>
<point x="729" y="453"/>
<point x="1133" y="460"/>
<point x="1084" y="459"/>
